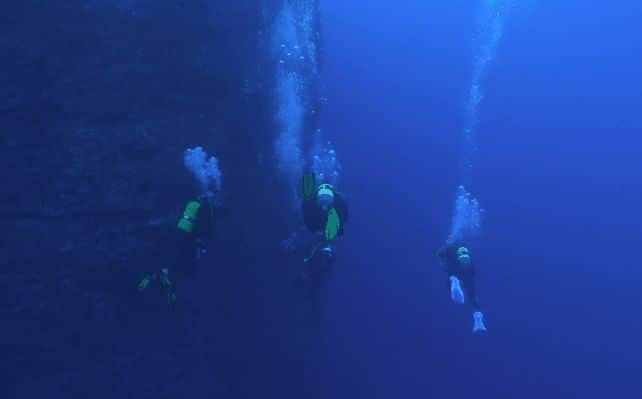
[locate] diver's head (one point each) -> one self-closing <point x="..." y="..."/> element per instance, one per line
<point x="325" y="196"/>
<point x="463" y="255"/>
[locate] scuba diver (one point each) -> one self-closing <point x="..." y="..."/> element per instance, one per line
<point x="325" y="213"/>
<point x="461" y="271"/>
<point x="190" y="237"/>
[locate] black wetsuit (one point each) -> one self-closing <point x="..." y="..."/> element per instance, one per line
<point x="315" y="218"/>
<point x="464" y="272"/>
<point x="189" y="245"/>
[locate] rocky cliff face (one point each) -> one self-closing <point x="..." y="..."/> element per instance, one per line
<point x="99" y="100"/>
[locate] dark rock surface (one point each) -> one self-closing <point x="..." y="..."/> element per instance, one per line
<point x="99" y="101"/>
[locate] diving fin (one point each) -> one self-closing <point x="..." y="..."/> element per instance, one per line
<point x="309" y="185"/>
<point x="478" y="319"/>
<point x="333" y="225"/>
<point x="144" y="282"/>
<point x="456" y="293"/>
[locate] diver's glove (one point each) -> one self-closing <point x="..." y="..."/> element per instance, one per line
<point x="456" y="293"/>
<point x="478" y="326"/>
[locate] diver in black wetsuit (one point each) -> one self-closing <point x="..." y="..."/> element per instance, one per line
<point x="325" y="213"/>
<point x="190" y="237"/>
<point x="461" y="270"/>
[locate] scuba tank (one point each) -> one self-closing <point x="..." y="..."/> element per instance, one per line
<point x="188" y="221"/>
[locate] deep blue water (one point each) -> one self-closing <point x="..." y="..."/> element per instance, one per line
<point x="558" y="173"/>
<point x="534" y="106"/>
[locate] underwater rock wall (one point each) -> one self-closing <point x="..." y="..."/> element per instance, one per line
<point x="99" y="101"/>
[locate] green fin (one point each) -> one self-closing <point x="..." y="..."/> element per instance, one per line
<point x="144" y="283"/>
<point x="333" y="226"/>
<point x="309" y="184"/>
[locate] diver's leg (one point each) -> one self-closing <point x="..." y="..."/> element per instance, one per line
<point x="470" y="286"/>
<point x="326" y="266"/>
<point x="183" y="264"/>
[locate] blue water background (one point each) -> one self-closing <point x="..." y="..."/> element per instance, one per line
<point x="558" y="173"/>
